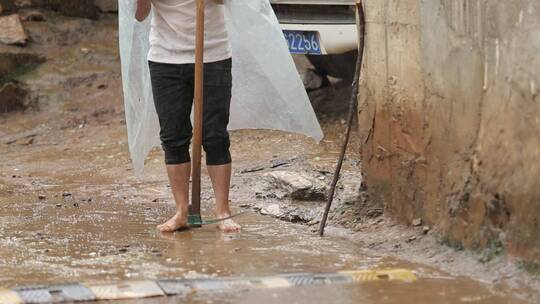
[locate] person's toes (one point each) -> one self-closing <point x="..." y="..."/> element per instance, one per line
<point x="229" y="226"/>
<point x="168" y="228"/>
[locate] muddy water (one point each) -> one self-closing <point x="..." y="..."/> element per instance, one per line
<point x="66" y="239"/>
<point x="97" y="220"/>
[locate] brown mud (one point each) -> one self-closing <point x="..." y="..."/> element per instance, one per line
<point x="73" y="210"/>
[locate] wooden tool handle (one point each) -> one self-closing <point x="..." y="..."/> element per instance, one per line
<point x="198" y="115"/>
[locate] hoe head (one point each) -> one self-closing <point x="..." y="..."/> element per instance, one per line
<point x="195" y="220"/>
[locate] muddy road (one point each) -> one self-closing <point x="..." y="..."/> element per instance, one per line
<point x="72" y="209"/>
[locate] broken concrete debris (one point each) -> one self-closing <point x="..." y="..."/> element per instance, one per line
<point x="296" y="185"/>
<point x="12" y="31"/>
<point x="272" y="209"/>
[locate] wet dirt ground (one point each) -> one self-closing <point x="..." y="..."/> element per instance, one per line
<point x="72" y="209"/>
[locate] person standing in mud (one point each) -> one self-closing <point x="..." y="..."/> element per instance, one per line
<point x="172" y="67"/>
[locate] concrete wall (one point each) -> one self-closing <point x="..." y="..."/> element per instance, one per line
<point x="450" y="118"/>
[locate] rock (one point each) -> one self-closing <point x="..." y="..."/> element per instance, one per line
<point x="273" y="210"/>
<point x="66" y="194"/>
<point x="315" y="221"/>
<point x="417" y="222"/>
<point x="297" y="185"/>
<point x="298" y="215"/>
<point x="12" y="97"/>
<point x="107" y="6"/>
<point x="411" y="239"/>
<point x="374" y="212"/>
<point x="58" y="205"/>
<point x="12" y="31"/>
<point x="41" y="197"/>
<point x="425" y="229"/>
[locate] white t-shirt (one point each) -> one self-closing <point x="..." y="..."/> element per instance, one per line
<point x="172" y="33"/>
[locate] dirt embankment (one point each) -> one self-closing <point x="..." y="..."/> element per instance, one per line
<point x="449" y="120"/>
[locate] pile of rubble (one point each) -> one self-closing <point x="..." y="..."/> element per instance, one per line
<point x="14" y="37"/>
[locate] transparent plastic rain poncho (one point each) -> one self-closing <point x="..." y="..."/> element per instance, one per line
<point x="267" y="91"/>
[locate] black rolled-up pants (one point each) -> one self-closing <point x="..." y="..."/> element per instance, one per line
<point x="173" y="89"/>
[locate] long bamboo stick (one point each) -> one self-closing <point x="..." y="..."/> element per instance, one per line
<point x="353" y="105"/>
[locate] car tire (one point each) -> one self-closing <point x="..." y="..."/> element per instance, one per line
<point x="339" y="65"/>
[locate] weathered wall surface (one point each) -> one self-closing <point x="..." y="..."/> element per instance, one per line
<point x="450" y="118"/>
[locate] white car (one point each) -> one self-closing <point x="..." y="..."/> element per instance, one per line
<point x="324" y="30"/>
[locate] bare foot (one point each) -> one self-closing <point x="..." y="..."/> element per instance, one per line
<point x="178" y="221"/>
<point x="228" y="225"/>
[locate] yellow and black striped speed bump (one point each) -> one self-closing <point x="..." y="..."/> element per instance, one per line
<point x="9" y="297"/>
<point x="183" y="287"/>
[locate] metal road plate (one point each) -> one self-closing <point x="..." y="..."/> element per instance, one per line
<point x="378" y="275"/>
<point x="185" y="286"/>
<point x="304" y="279"/>
<point x="55" y="293"/>
<point x="175" y="287"/>
<point x="9" y="297"/>
<point x="126" y="290"/>
<point x="34" y="294"/>
<point x="275" y="282"/>
<point x="242" y="284"/>
<point x="209" y="285"/>
<point x="257" y="283"/>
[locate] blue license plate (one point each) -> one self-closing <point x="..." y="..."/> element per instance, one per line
<point x="303" y="42"/>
